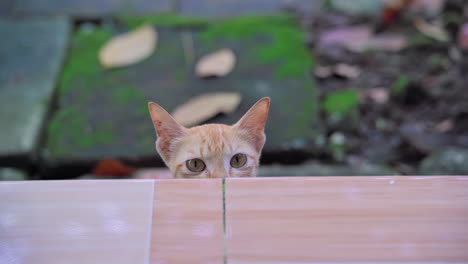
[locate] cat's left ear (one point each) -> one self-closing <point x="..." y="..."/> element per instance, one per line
<point x="253" y="122"/>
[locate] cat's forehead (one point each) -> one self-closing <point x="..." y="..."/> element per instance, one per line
<point x="212" y="131"/>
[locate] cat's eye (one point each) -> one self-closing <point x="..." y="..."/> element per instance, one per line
<point x="195" y="165"/>
<point x="238" y="160"/>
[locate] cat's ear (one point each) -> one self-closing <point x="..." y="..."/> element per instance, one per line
<point x="167" y="130"/>
<point x="253" y="122"/>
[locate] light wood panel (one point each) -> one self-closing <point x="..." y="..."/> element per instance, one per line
<point x="347" y="219"/>
<point x="187" y="222"/>
<point x="75" y="222"/>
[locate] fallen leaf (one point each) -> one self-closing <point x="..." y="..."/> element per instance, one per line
<point x="436" y="32"/>
<point x="204" y="107"/>
<point x="217" y="64"/>
<point x="346" y="71"/>
<point x="353" y="38"/>
<point x="463" y="36"/>
<point x="392" y="10"/>
<point x="129" y="48"/>
<point x="112" y="167"/>
<point x="378" y="95"/>
<point x="361" y="38"/>
<point x="444" y="126"/>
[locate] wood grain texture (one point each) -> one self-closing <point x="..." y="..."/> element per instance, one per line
<point x="187" y="222"/>
<point x="343" y="219"/>
<point x="75" y="222"/>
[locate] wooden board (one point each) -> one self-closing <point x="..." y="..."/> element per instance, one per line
<point x="75" y="222"/>
<point x="187" y="222"/>
<point x="347" y="219"/>
<point x="264" y="220"/>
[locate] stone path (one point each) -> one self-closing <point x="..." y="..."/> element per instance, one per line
<point x="103" y="113"/>
<point x="31" y="54"/>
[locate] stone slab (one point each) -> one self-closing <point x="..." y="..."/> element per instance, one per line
<point x="31" y="54"/>
<point x="6" y="6"/>
<point x="91" y="8"/>
<point x="228" y="8"/>
<point x="103" y="113"/>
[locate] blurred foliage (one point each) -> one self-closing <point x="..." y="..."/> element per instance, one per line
<point x="341" y="102"/>
<point x="83" y="61"/>
<point x="398" y="87"/>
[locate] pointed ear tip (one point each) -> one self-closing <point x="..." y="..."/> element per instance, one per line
<point x="265" y="100"/>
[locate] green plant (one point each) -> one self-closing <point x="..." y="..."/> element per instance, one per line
<point x="399" y="86"/>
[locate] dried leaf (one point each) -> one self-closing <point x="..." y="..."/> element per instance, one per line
<point x="129" y="48"/>
<point x="361" y="38"/>
<point x="353" y="38"/>
<point x="347" y="71"/>
<point x="463" y="36"/>
<point x="204" y="107"/>
<point x="392" y="11"/>
<point x="436" y="32"/>
<point x="112" y="167"/>
<point x="217" y="64"/>
<point x="341" y="70"/>
<point x="378" y="95"/>
<point x="444" y="126"/>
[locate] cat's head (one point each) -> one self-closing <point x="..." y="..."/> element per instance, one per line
<point x="212" y="150"/>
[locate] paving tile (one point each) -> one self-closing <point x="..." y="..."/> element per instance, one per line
<point x="91" y="8"/>
<point x="31" y="57"/>
<point x="293" y="118"/>
<point x="187" y="222"/>
<point x="229" y="8"/>
<point x="340" y="219"/>
<point x="6" y="6"/>
<point x="75" y="222"/>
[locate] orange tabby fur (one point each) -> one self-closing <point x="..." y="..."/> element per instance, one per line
<point x="214" y="144"/>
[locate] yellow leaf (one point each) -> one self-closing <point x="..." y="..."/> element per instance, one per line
<point x="436" y="32"/>
<point x="217" y="64"/>
<point x="129" y="48"/>
<point x="206" y="106"/>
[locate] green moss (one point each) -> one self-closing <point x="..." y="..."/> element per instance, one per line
<point x="67" y="131"/>
<point x="126" y="95"/>
<point x="83" y="61"/>
<point x="341" y="102"/>
<point x="164" y="20"/>
<point x="287" y="50"/>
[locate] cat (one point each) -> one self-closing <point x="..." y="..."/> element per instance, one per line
<point x="211" y="150"/>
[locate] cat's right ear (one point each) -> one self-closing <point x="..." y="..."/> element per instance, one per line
<point x="167" y="130"/>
